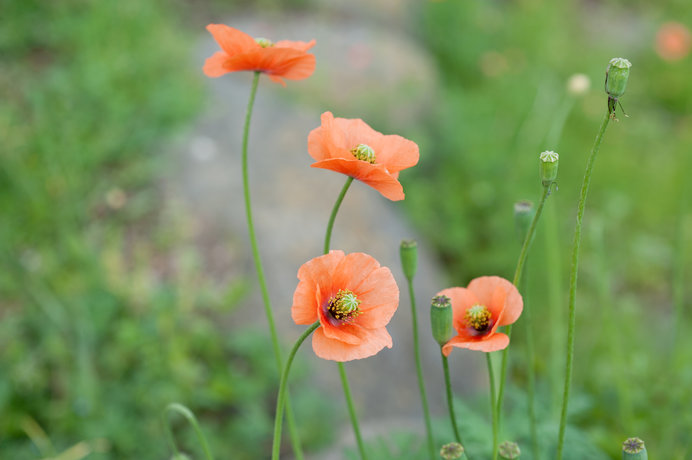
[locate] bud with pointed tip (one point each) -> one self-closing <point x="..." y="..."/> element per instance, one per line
<point x="408" y="251"/>
<point x="441" y="319"/>
<point x="634" y="449"/>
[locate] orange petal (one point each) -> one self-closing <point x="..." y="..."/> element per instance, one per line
<point x="354" y="269"/>
<point x="494" y="342"/>
<point x="327" y="142"/>
<point x="306" y="304"/>
<point x="231" y="40"/>
<point x="281" y="62"/>
<point x="300" y="46"/>
<point x="380" y="296"/>
<point x="214" y="66"/>
<point x="462" y="299"/>
<point x="484" y="288"/>
<point x="315" y="285"/>
<point x="356" y="131"/>
<point x="373" y="340"/>
<point x="396" y="152"/>
<point x="376" y="176"/>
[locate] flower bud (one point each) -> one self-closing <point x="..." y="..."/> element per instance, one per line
<point x="549" y="161"/>
<point x="509" y="450"/>
<point x="523" y="215"/>
<point x="452" y="451"/>
<point x="634" y="449"/>
<point x="441" y="318"/>
<point x="408" y="252"/>
<point x="616" y="77"/>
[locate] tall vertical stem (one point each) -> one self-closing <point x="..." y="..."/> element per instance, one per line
<point x="493" y="412"/>
<point x="573" y="283"/>
<point x="352" y="411"/>
<point x="335" y="211"/>
<point x="450" y="399"/>
<point x="290" y="420"/>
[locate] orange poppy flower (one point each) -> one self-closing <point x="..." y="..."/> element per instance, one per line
<point x="673" y="41"/>
<point x="351" y="147"/>
<point x="283" y="59"/>
<point x="488" y="303"/>
<point x="353" y="298"/>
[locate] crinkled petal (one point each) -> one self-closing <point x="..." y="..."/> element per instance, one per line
<point x="214" y="66"/>
<point x="462" y="299"/>
<point x="231" y="40"/>
<point x="380" y="296"/>
<point x="373" y="340"/>
<point x="395" y="152"/>
<point x="484" y="288"/>
<point x="376" y="176"/>
<point x="494" y="342"/>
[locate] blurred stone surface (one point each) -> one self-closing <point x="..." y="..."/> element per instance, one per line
<point x="384" y="73"/>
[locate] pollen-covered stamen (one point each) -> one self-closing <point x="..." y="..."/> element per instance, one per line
<point x="264" y="42"/>
<point x="364" y="152"/>
<point x="478" y="317"/>
<point x="344" y="306"/>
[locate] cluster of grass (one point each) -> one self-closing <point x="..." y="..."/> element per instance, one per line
<point x="503" y="69"/>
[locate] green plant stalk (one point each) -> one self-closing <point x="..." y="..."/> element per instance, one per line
<point x="335" y="210"/>
<point x="419" y="371"/>
<point x="523" y="254"/>
<point x="573" y="283"/>
<point x="290" y="420"/>
<point x="493" y="411"/>
<point x="531" y="379"/>
<point x="190" y="417"/>
<point x="450" y="398"/>
<point x="281" y="399"/>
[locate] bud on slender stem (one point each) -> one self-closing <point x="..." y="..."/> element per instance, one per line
<point x="634" y="449"/>
<point x="441" y="319"/>
<point x="549" y="161"/>
<point x="509" y="450"/>
<point x="617" y="74"/>
<point x="408" y="251"/>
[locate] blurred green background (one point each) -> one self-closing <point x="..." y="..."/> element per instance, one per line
<point x="106" y="314"/>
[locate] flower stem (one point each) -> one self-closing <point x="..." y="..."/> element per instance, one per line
<point x="190" y="417"/>
<point x="523" y="254"/>
<point x="290" y="420"/>
<point x="450" y="398"/>
<point x="419" y="370"/>
<point x="493" y="412"/>
<point x="352" y="411"/>
<point x="281" y="399"/>
<point x="335" y="210"/>
<point x="573" y="283"/>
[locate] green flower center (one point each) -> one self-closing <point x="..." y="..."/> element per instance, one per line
<point x="344" y="305"/>
<point x="264" y="42"/>
<point x="364" y="152"/>
<point x="478" y="317"/>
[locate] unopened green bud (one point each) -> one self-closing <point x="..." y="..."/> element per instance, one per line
<point x="408" y="251"/>
<point x="452" y="451"/>
<point x="441" y="319"/>
<point x="509" y="450"/>
<point x="617" y="73"/>
<point x="634" y="449"/>
<point x="549" y="161"/>
<point x="523" y="215"/>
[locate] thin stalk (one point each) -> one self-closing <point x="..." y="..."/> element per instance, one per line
<point x="419" y="370"/>
<point x="352" y="411"/>
<point x="573" y="282"/>
<point x="290" y="420"/>
<point x="190" y="417"/>
<point x="335" y="210"/>
<point x="281" y="399"/>
<point x="450" y="399"/>
<point x="493" y="412"/>
<point x="523" y="254"/>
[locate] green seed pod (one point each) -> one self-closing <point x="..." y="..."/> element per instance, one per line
<point x="509" y="450"/>
<point x="549" y="161"/>
<point x="616" y="77"/>
<point x="523" y="215"/>
<point x="408" y="251"/>
<point x="634" y="449"/>
<point x="441" y="319"/>
<point x="452" y="451"/>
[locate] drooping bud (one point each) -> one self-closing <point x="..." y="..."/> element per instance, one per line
<point x="364" y="152"/>
<point x="452" y="451"/>
<point x="408" y="252"/>
<point x="523" y="215"/>
<point x="617" y="73"/>
<point x="264" y="42"/>
<point x="509" y="450"/>
<point x="441" y="319"/>
<point x="634" y="449"/>
<point x="549" y="161"/>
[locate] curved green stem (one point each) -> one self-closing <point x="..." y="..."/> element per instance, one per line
<point x="450" y="398"/>
<point x="493" y="412"/>
<point x="290" y="420"/>
<point x="335" y="210"/>
<point x="573" y="283"/>
<point x="187" y="413"/>
<point x="281" y="399"/>
<point x="523" y="254"/>
<point x="419" y="371"/>
<point x="352" y="411"/>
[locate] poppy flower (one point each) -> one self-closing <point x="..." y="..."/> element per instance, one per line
<point x="283" y="59"/>
<point x="351" y="147"/>
<point x="353" y="298"/>
<point x="486" y="304"/>
<point x="673" y="41"/>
